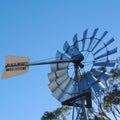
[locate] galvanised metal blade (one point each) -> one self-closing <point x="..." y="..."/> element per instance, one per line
<point x="61" y="88"/>
<point x="92" y="38"/>
<point x="53" y="85"/>
<point x="58" y="66"/>
<point x="61" y="56"/>
<point x="60" y="81"/>
<point x="99" y="83"/>
<point x="68" y="91"/>
<point x="105" y="63"/>
<point x="66" y="46"/>
<point x="64" y="97"/>
<point x="54" y="75"/>
<point x="106" y="44"/>
<point x="57" y="93"/>
<point x="107" y="53"/>
<point x="75" y="41"/>
<point x="69" y="87"/>
<point x="84" y="84"/>
<point x="84" y="38"/>
<point x="105" y="76"/>
<point x="94" y="82"/>
<point x="72" y="51"/>
<point x="103" y="35"/>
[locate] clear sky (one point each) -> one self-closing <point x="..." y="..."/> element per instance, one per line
<point x="36" y="29"/>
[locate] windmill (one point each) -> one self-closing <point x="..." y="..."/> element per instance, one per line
<point x="75" y="73"/>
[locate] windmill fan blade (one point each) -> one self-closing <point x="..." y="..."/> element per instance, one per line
<point x="61" y="89"/>
<point x="68" y="49"/>
<point x="54" y="75"/>
<point x="71" y="50"/>
<point x="100" y="82"/>
<point x="104" y="34"/>
<point x="64" y="97"/>
<point x="107" y="53"/>
<point x="101" y="74"/>
<point x="106" y="63"/>
<point x="81" y="86"/>
<point x="68" y="91"/>
<point x="66" y="46"/>
<point x="69" y="87"/>
<point x="108" y="43"/>
<point x="57" y="93"/>
<point x="53" y="85"/>
<point x="64" y="85"/>
<point x="93" y="36"/>
<point x="84" y="38"/>
<point x="61" y="56"/>
<point x="75" y="41"/>
<point x="93" y="82"/>
<point x="94" y="33"/>
<point x="85" y="34"/>
<point x="84" y="84"/>
<point x="55" y="67"/>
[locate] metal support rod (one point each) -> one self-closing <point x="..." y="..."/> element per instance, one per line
<point x="83" y="110"/>
<point x="52" y="62"/>
<point x="40" y="63"/>
<point x="73" y="112"/>
<point x="57" y="62"/>
<point x="43" y="63"/>
<point x="78" y="109"/>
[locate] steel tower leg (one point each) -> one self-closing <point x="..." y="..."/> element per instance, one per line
<point x="73" y="112"/>
<point x="79" y="113"/>
<point x="84" y="110"/>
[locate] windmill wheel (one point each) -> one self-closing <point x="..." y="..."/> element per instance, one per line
<point x="90" y="58"/>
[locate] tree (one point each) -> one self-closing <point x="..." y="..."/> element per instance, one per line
<point x="107" y="101"/>
<point x="111" y="101"/>
<point x="59" y="113"/>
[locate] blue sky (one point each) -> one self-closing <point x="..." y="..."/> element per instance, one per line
<point x="36" y="29"/>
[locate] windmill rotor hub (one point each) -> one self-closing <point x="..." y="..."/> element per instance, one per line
<point x="78" y="59"/>
<point x="77" y="63"/>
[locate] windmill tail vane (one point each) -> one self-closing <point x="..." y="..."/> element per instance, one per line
<point x="16" y="65"/>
